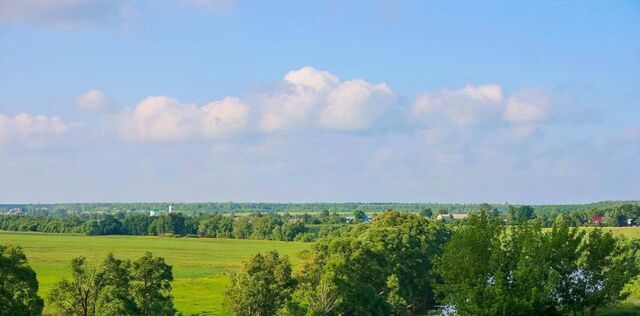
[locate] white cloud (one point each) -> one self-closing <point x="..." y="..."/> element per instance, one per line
<point x="62" y="12"/>
<point x="464" y="107"/>
<point x="93" y="100"/>
<point x="355" y="104"/>
<point x="222" y="118"/>
<point x="319" y="98"/>
<point x="29" y="130"/>
<point x="161" y="118"/>
<point x="527" y="106"/>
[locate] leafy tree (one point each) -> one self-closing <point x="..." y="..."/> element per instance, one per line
<point x="394" y="298"/>
<point x="242" y="227"/>
<point x="18" y="284"/>
<point x="264" y="225"/>
<point x="116" y="287"/>
<point x="607" y="264"/>
<point x="469" y="264"/>
<point x="79" y="295"/>
<point x="359" y="215"/>
<point x="115" y="297"/>
<point x="151" y="286"/>
<point x="262" y="286"/>
<point x="426" y="212"/>
<point x="372" y="269"/>
<point x="289" y="230"/>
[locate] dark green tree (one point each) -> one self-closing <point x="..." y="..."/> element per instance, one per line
<point x="359" y="215"/>
<point x="115" y="296"/>
<point x="151" y="286"/>
<point x="18" y="284"/>
<point x="426" y="212"/>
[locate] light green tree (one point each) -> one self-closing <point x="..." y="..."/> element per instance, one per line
<point x="79" y="295"/>
<point x="261" y="287"/>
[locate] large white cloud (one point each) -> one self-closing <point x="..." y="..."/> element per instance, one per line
<point x="355" y="104"/>
<point x="318" y="98"/>
<point x="161" y="118"/>
<point x="30" y="130"/>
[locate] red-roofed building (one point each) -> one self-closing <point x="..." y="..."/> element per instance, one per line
<point x="597" y="219"/>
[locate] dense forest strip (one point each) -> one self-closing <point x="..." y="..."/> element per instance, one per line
<point x="230" y="207"/>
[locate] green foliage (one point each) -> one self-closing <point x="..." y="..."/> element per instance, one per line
<point x="18" y="284"/>
<point x="262" y="286"/>
<point x="116" y="287"/>
<point x="151" y="286"/>
<point x="79" y="295"/>
<point x="487" y="270"/>
<point x="469" y="264"/>
<point x="372" y="269"/>
<point x="394" y="297"/>
<point x="426" y="212"/>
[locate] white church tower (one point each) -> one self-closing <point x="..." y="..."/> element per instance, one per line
<point x="171" y="208"/>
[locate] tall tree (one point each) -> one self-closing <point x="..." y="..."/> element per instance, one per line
<point x="261" y="287"/>
<point x="469" y="264"/>
<point x="115" y="297"/>
<point x="151" y="286"/>
<point x="79" y="295"/>
<point x="18" y="284"/>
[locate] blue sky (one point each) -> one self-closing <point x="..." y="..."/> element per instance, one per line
<point x="305" y="101"/>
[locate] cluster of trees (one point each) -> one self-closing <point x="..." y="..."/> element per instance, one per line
<point x="490" y="269"/>
<point x="404" y="263"/>
<point x="115" y="287"/>
<point x="255" y="226"/>
<point x="615" y="216"/>
<point x="376" y="269"/>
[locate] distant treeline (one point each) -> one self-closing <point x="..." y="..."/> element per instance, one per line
<point x="278" y="226"/>
<point x="210" y="207"/>
<point x="254" y="226"/>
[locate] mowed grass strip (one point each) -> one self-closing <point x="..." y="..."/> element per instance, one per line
<point x="199" y="264"/>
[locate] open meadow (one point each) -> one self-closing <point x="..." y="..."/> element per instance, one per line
<point x="199" y="264"/>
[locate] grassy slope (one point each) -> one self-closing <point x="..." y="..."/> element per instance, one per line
<point x="198" y="264"/>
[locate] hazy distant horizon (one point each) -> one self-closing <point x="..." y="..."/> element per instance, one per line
<point x="303" y="203"/>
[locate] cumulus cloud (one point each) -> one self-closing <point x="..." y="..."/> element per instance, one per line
<point x="355" y="104"/>
<point x="29" y="130"/>
<point x="527" y="106"/>
<point x="93" y="100"/>
<point x="464" y="107"/>
<point x="161" y="118"/>
<point x="521" y="112"/>
<point x="318" y="98"/>
<point x="62" y="12"/>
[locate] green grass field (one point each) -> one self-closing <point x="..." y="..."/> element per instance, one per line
<point x="199" y="264"/>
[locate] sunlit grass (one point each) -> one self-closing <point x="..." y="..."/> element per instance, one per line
<point x="199" y="264"/>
